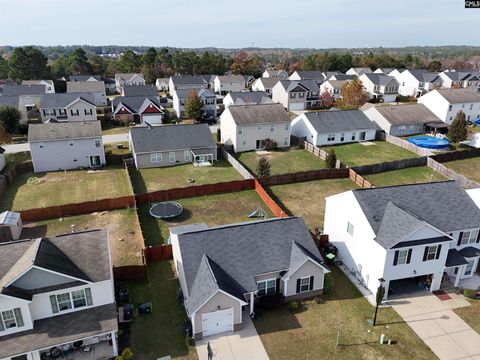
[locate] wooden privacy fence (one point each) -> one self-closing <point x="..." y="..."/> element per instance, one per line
<point x="305" y="176"/>
<point x="390" y="165"/>
<point x="272" y="205"/>
<point x="322" y="154"/>
<point x="451" y="174"/>
<point x="158" y="253"/>
<point x="456" y="155"/>
<point x="130" y="273"/>
<point x="360" y="180"/>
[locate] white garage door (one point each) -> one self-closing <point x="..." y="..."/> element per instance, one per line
<point x="217" y="322"/>
<point x="152" y="119"/>
<point x="296" y="106"/>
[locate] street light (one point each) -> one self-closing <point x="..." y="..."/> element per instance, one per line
<point x="379" y="298"/>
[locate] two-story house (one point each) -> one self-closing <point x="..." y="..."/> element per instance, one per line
<point x="334" y="87"/>
<point x="380" y="87"/>
<point x="64" y="146"/>
<point x="265" y="84"/>
<point x="316" y="76"/>
<point x="446" y="103"/>
<point x="271" y="73"/>
<point x="246" y="127"/>
<point x="68" y="107"/>
<point x="416" y="83"/>
<point x="291" y="94"/>
<point x="409" y="237"/>
<point x="97" y="88"/>
<point x="138" y="109"/>
<point x="128" y="79"/>
<point x="188" y="82"/>
<point x="247" y="98"/>
<point x="207" y="97"/>
<point x="57" y="297"/>
<point x="224" y="84"/>
<point x="460" y="79"/>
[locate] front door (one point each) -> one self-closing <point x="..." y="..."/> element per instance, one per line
<point x="469" y="268"/>
<point x="259" y="144"/>
<point x="362" y="136"/>
<point x="95" y="161"/>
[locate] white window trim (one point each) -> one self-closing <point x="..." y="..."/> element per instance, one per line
<point x="308" y="284"/>
<point x="267" y="287"/>
<point x="156" y="158"/>
<point x="170" y="158"/>
<point x="187" y="156"/>
<point x="401" y="256"/>
<point x="429" y="252"/>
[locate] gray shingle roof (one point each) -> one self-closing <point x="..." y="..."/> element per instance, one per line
<point x="469" y="252"/>
<point x="269" y="82"/>
<point x="84" y="77"/>
<point x="454" y="258"/>
<point x="342" y="77"/>
<point x="190" y="80"/>
<point x="12" y="101"/>
<point x="455" y="96"/>
<point x="126" y="76"/>
<point x="140" y="90"/>
<point x="310" y="75"/>
<point x="61" y="100"/>
<point x="457" y="75"/>
<point x="339" y="120"/>
<point x="170" y="137"/>
<point x="407" y="114"/>
<point x="379" y="79"/>
<point x="134" y="103"/>
<point x="231" y="78"/>
<point x="184" y="93"/>
<point x="258" y="114"/>
<point x="9" y="90"/>
<point x="64" y="130"/>
<point x="251" y="97"/>
<point x="85" y="86"/>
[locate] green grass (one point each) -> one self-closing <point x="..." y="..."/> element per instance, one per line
<point x="467" y="167"/>
<point x="153" y="179"/>
<point x="59" y="188"/>
<point x="283" y="161"/>
<point x="311" y="333"/>
<point x="16" y="158"/>
<point x="307" y="199"/>
<point x="413" y="175"/>
<point x="471" y="314"/>
<point x="360" y="154"/>
<point x="160" y="333"/>
<point x="213" y="210"/>
<point x="113" y="149"/>
<point x="124" y="233"/>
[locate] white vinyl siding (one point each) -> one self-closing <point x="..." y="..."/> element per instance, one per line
<point x="350" y="228"/>
<point x="71" y="300"/>
<point x="11" y="319"/>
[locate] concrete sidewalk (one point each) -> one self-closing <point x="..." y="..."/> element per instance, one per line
<point x="240" y="345"/>
<point x="434" y="321"/>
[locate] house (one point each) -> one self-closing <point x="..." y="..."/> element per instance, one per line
<point x="68" y="107"/>
<point x="291" y="94"/>
<point x="334" y="87"/>
<point x="2" y="158"/>
<point x="138" y="109"/>
<point x="162" y="84"/>
<point x="128" y="79"/>
<point x="249" y="79"/>
<point x="316" y="76"/>
<point x="207" y="97"/>
<point x="411" y="237"/>
<point x="97" y="88"/>
<point x="139" y="90"/>
<point x="85" y="78"/>
<point x="10" y="226"/>
<point x="188" y="82"/>
<point x="225" y="270"/>
<point x="334" y="127"/>
<point x="380" y="87"/>
<point x="110" y="85"/>
<point x="265" y="84"/>
<point x="343" y="77"/>
<point x="66" y="145"/>
<point x="246" y="127"/>
<point x="155" y="146"/>
<point x="17" y="90"/>
<point x="224" y="84"/>
<point x="402" y="119"/>
<point x="23" y="104"/>
<point x="385" y="71"/>
<point x="57" y="296"/>
<point x="247" y="98"/>
<point x="358" y="71"/>
<point x="446" y="103"/>
<point x="279" y="74"/>
<point x="416" y="83"/>
<point x="49" y="85"/>
<point x="460" y="79"/>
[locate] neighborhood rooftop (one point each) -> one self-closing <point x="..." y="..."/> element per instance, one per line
<point x="85" y="86"/>
<point x="454" y="96"/>
<point x="407" y="114"/>
<point x="251" y="97"/>
<point x="258" y="114"/>
<point x="140" y="90"/>
<point x="64" y="130"/>
<point x="134" y="103"/>
<point x="10" y="90"/>
<point x="339" y="120"/>
<point x="61" y="100"/>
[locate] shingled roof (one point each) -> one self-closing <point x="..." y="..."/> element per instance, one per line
<point x="258" y="114"/>
<point x="140" y="90"/>
<point x="407" y="114"/>
<point x="455" y="96"/>
<point x="339" y="120"/>
<point x="64" y="130"/>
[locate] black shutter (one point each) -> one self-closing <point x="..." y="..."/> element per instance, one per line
<point x="298" y="286"/>
<point x="425" y="253"/>
<point x="311" y="283"/>
<point x="277" y="286"/>
<point x="478" y="237"/>
<point x="439" y="249"/>
<point x="460" y="238"/>
<point x="409" y="256"/>
<point x="395" y="258"/>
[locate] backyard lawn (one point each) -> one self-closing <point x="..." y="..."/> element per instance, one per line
<point x="467" y="167"/>
<point x="36" y="190"/>
<point x="16" y="158"/>
<point x="160" y="333"/>
<point x="364" y="154"/>
<point x="413" y="175"/>
<point x="112" y="148"/>
<point x="124" y="234"/>
<point x="283" y="161"/>
<point x="212" y="209"/>
<point x="307" y="199"/>
<point x="311" y="332"/>
<point x="153" y="179"/>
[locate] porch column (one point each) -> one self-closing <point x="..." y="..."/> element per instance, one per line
<point x="252" y="302"/>
<point x="459" y="275"/>
<point x="113" y="334"/>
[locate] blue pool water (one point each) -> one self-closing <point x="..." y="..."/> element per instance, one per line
<point x="429" y="142"/>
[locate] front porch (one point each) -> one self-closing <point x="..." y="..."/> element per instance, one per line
<point x="202" y="157"/>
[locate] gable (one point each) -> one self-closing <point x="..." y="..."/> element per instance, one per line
<point x="78" y="102"/>
<point x="36" y="278"/>
<point x="122" y="110"/>
<point x="425" y="232"/>
<point x="308" y="268"/>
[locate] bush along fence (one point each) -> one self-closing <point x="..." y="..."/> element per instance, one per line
<point x="322" y="154"/>
<point x="9" y="175"/>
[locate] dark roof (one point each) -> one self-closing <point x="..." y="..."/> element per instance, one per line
<point x="379" y="79"/>
<point x="457" y="75"/>
<point x="393" y="210"/>
<point x="434" y="240"/>
<point x="134" y="103"/>
<point x="9" y="90"/>
<point x="269" y="82"/>
<point x="310" y="75"/>
<point x="407" y="114"/>
<point x="2" y="150"/>
<point x="62" y="100"/>
<point x="423" y="75"/>
<point x="147" y="139"/>
<point x="250" y="97"/>
<point x="64" y="130"/>
<point x="190" y="80"/>
<point x="140" y="90"/>
<point x="12" y="101"/>
<point x="454" y="258"/>
<point x="84" y="77"/>
<point x="61" y="329"/>
<point x="258" y="114"/>
<point x="469" y="252"/>
<point x="339" y="120"/>
<point x="85" y="86"/>
<point x="343" y="77"/>
<point x="127" y="76"/>
<point x="183" y="94"/>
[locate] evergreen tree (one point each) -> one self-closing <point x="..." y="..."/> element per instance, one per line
<point x="9" y="118"/>
<point x="3" y="68"/>
<point x="331" y="159"/>
<point x="458" y="130"/>
<point x="263" y="168"/>
<point x="129" y="62"/>
<point x="78" y="63"/>
<point x="194" y="106"/>
<point x="27" y="64"/>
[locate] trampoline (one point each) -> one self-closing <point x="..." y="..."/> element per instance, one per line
<point x="429" y="142"/>
<point x="166" y="210"/>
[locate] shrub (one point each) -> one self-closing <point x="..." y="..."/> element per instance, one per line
<point x="458" y="130"/>
<point x="294" y="305"/>
<point x="263" y="168"/>
<point x="328" y="284"/>
<point x="10" y="118"/>
<point x="470" y="293"/>
<point x="331" y="159"/>
<point x="270" y="144"/>
<point x="127" y="354"/>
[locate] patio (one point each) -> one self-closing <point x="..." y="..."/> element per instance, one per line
<point x="93" y="351"/>
<point x="471" y="283"/>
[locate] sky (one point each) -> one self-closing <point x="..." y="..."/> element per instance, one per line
<point x="238" y="24"/>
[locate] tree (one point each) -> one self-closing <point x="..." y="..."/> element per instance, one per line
<point x="326" y="99"/>
<point x="3" y="68"/>
<point x="5" y="138"/>
<point x="194" y="106"/>
<point x="129" y="62"/>
<point x="127" y="354"/>
<point x="60" y="68"/>
<point x="353" y="95"/>
<point x="9" y="118"/>
<point x="27" y="64"/>
<point x="263" y="168"/>
<point x="331" y="159"/>
<point x="458" y="130"/>
<point x="378" y="299"/>
<point x="149" y="57"/>
<point x="435" y="66"/>
<point x="78" y="63"/>
<point x="97" y="64"/>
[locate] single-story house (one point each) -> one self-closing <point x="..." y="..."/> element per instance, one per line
<point x="207" y="97"/>
<point x="247" y="98"/>
<point x="10" y="226"/>
<point x="225" y="270"/>
<point x="138" y="109"/>
<point x="66" y="145"/>
<point x="139" y="90"/>
<point x="128" y="79"/>
<point x="68" y="107"/>
<point x="334" y="127"/>
<point x="97" y="88"/>
<point x="155" y="146"/>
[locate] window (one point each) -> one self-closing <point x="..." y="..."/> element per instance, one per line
<point x="301" y="95"/>
<point x="240" y="130"/>
<point x="342" y="137"/>
<point x="353" y="136"/>
<point x="350" y="228"/>
<point x="71" y="143"/>
<point x="244" y="142"/>
<point x="286" y="126"/>
<point x="186" y="155"/>
<point x="63" y="302"/>
<point x="468" y="237"/>
<point x="267" y="287"/>
<point x="402" y="257"/>
<point x="156" y="157"/>
<point x="285" y="141"/>
<point x="432" y="252"/>
<point x="80" y="298"/>
<point x="75" y="159"/>
<point x="450" y="108"/>
<point x="293" y="95"/>
<point x="98" y="142"/>
<point x="259" y="127"/>
<point x="74" y="300"/>
<point x="451" y="118"/>
<point x="171" y="156"/>
<point x="471" y="106"/>
<point x="11" y="319"/>
<point x="304" y="284"/>
<point x="272" y="127"/>
<point x="74" y="112"/>
<point x="331" y="137"/>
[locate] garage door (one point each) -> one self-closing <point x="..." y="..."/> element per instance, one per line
<point x="296" y="106"/>
<point x="217" y="322"/>
<point x="152" y="119"/>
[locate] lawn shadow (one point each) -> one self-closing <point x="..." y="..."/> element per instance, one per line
<point x="278" y="201"/>
<point x="343" y="289"/>
<point x="136" y="179"/>
<point x="31" y="232"/>
<point x="276" y="320"/>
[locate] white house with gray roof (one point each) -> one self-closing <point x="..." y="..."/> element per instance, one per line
<point x="413" y="237"/>
<point x="57" y="297"/>
<point x="316" y="76"/>
<point x="358" y="71"/>
<point x="265" y="84"/>
<point x="460" y="79"/>
<point x="291" y="94"/>
<point x="227" y="83"/>
<point x="168" y="145"/>
<point x="64" y="146"/>
<point x="64" y="107"/>
<point x="122" y="79"/>
<point x="247" y="98"/>
<point x="246" y="127"/>
<point x="188" y="82"/>
<point x="207" y="97"/>
<point x="97" y="88"/>
<point x="380" y="87"/>
<point x="271" y="73"/>
<point x="223" y="271"/>
<point x="416" y="83"/>
<point x="323" y="128"/>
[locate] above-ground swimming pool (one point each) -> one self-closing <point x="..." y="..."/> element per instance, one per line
<point x="429" y="142"/>
<point x="166" y="210"/>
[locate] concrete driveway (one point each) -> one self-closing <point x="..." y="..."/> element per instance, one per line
<point x="240" y="345"/>
<point x="444" y="332"/>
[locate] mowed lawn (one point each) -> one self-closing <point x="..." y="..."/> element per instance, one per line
<point x="414" y="175"/>
<point x="212" y="209"/>
<point x="364" y="154"/>
<point x="471" y="314"/>
<point x="124" y="233"/>
<point x="307" y="199"/>
<point x="311" y="333"/>
<point x="177" y="176"/>
<point x="467" y="167"/>
<point x="283" y="161"/>
<point x="59" y="188"/>
<point x="160" y="333"/>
